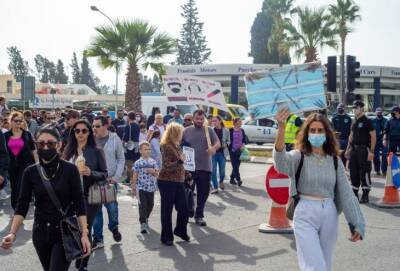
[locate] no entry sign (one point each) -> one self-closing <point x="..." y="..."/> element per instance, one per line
<point x="277" y="185"/>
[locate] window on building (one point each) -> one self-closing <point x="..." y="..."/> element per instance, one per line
<point x="9" y="86"/>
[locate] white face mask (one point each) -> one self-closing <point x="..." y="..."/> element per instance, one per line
<point x="137" y="119"/>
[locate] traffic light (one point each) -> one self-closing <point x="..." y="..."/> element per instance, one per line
<point x="331" y="74"/>
<point x="353" y="72"/>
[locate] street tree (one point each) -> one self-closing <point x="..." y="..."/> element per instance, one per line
<point x="344" y="13"/>
<point x="136" y="42"/>
<point x="76" y="71"/>
<point x="17" y="66"/>
<point x="61" y="76"/>
<point x="315" y="31"/>
<point x="192" y="45"/>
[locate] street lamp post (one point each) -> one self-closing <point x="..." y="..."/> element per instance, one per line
<point x="94" y="8"/>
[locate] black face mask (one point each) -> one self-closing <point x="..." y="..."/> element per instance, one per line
<point x="48" y="157"/>
<point x="340" y="111"/>
<point x="379" y="116"/>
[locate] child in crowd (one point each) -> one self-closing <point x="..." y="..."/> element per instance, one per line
<point x="144" y="183"/>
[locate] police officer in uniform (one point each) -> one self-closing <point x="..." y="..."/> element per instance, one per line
<point x="392" y="131"/>
<point x="360" y="151"/>
<point x="379" y="124"/>
<point x="293" y="125"/>
<point x="342" y="124"/>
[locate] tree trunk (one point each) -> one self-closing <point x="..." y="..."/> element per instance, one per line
<point x="342" y="89"/>
<point x="133" y="98"/>
<point x="311" y="55"/>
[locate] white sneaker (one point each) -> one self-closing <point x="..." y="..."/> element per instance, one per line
<point x="214" y="191"/>
<point x="3" y="195"/>
<point x="143" y="228"/>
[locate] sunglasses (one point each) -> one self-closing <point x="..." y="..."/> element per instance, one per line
<point x="96" y="126"/>
<point x="317" y="130"/>
<point x="187" y="120"/>
<point x="17" y="121"/>
<point x="83" y="131"/>
<point x="50" y="144"/>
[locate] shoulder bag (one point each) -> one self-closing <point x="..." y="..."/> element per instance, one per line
<point x="69" y="225"/>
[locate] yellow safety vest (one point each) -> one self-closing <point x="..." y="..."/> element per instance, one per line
<point x="291" y="130"/>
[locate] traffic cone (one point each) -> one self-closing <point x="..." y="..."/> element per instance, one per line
<point x="391" y="197"/>
<point x="278" y="222"/>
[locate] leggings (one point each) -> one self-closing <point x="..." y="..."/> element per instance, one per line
<point x="46" y="238"/>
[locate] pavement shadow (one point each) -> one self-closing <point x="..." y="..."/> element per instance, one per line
<point x="391" y="211"/>
<point x="204" y="253"/>
<point x="236" y="201"/>
<point x="254" y="192"/>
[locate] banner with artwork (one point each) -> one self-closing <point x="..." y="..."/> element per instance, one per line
<point x="183" y="89"/>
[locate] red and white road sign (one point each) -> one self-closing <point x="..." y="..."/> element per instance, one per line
<point x="277" y="185"/>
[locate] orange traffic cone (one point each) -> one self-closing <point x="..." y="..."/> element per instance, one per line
<point x="391" y="197"/>
<point x="278" y="222"/>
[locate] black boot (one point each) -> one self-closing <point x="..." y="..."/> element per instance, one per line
<point x="356" y="194"/>
<point x="365" y="197"/>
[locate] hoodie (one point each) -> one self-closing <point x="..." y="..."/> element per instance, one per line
<point x="115" y="157"/>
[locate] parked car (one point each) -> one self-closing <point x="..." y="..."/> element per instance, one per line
<point x="260" y="131"/>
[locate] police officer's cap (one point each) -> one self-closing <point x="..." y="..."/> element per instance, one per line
<point x="358" y="103"/>
<point x="379" y="110"/>
<point x="340" y="106"/>
<point x="396" y="109"/>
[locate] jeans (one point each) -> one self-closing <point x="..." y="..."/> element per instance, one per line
<point x="112" y="211"/>
<point x="172" y="193"/>
<point x="218" y="160"/>
<point x="378" y="165"/>
<point x="235" y="161"/>
<point x="146" y="205"/>
<point x="46" y="238"/>
<point x="202" y="180"/>
<point x="315" y="230"/>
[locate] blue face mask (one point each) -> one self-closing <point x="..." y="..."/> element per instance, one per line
<point x="316" y="140"/>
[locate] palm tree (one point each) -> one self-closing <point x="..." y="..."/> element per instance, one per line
<point x="279" y="9"/>
<point x="135" y="42"/>
<point x="345" y="12"/>
<point x="315" y="31"/>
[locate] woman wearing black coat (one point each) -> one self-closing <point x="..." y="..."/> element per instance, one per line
<point x="20" y="146"/>
<point x="82" y="151"/>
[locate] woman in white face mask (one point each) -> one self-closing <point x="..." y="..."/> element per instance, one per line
<point x="322" y="190"/>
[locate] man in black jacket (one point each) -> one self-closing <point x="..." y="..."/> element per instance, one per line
<point x="4" y="161"/>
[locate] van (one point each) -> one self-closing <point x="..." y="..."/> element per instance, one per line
<point x="235" y="111"/>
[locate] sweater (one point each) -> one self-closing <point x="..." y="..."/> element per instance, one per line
<point x="172" y="166"/>
<point x="318" y="177"/>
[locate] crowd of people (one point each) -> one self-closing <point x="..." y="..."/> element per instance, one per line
<point x="75" y="151"/>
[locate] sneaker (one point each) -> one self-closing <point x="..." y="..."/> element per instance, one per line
<point x="214" y="191"/>
<point x="200" y="221"/>
<point x="143" y="228"/>
<point x="147" y="227"/>
<point x="97" y="244"/>
<point x="117" y="235"/>
<point x="168" y="243"/>
<point x="184" y="237"/>
<point x="232" y="181"/>
<point x="377" y="173"/>
<point x="222" y="186"/>
<point x="239" y="182"/>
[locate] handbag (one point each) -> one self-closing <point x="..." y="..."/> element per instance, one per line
<point x="70" y="230"/>
<point x="244" y="155"/>
<point x="101" y="193"/>
<point x="296" y="198"/>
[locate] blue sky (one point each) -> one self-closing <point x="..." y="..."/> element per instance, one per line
<point x="56" y="28"/>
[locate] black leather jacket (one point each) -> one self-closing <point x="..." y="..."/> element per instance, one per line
<point x="95" y="160"/>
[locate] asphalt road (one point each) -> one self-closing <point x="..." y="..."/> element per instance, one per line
<point x="230" y="242"/>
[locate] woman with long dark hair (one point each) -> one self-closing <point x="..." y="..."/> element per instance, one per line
<point x="323" y="190"/>
<point x="238" y="140"/>
<point x="82" y="151"/>
<point x="21" y="147"/>
<point x="65" y="180"/>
